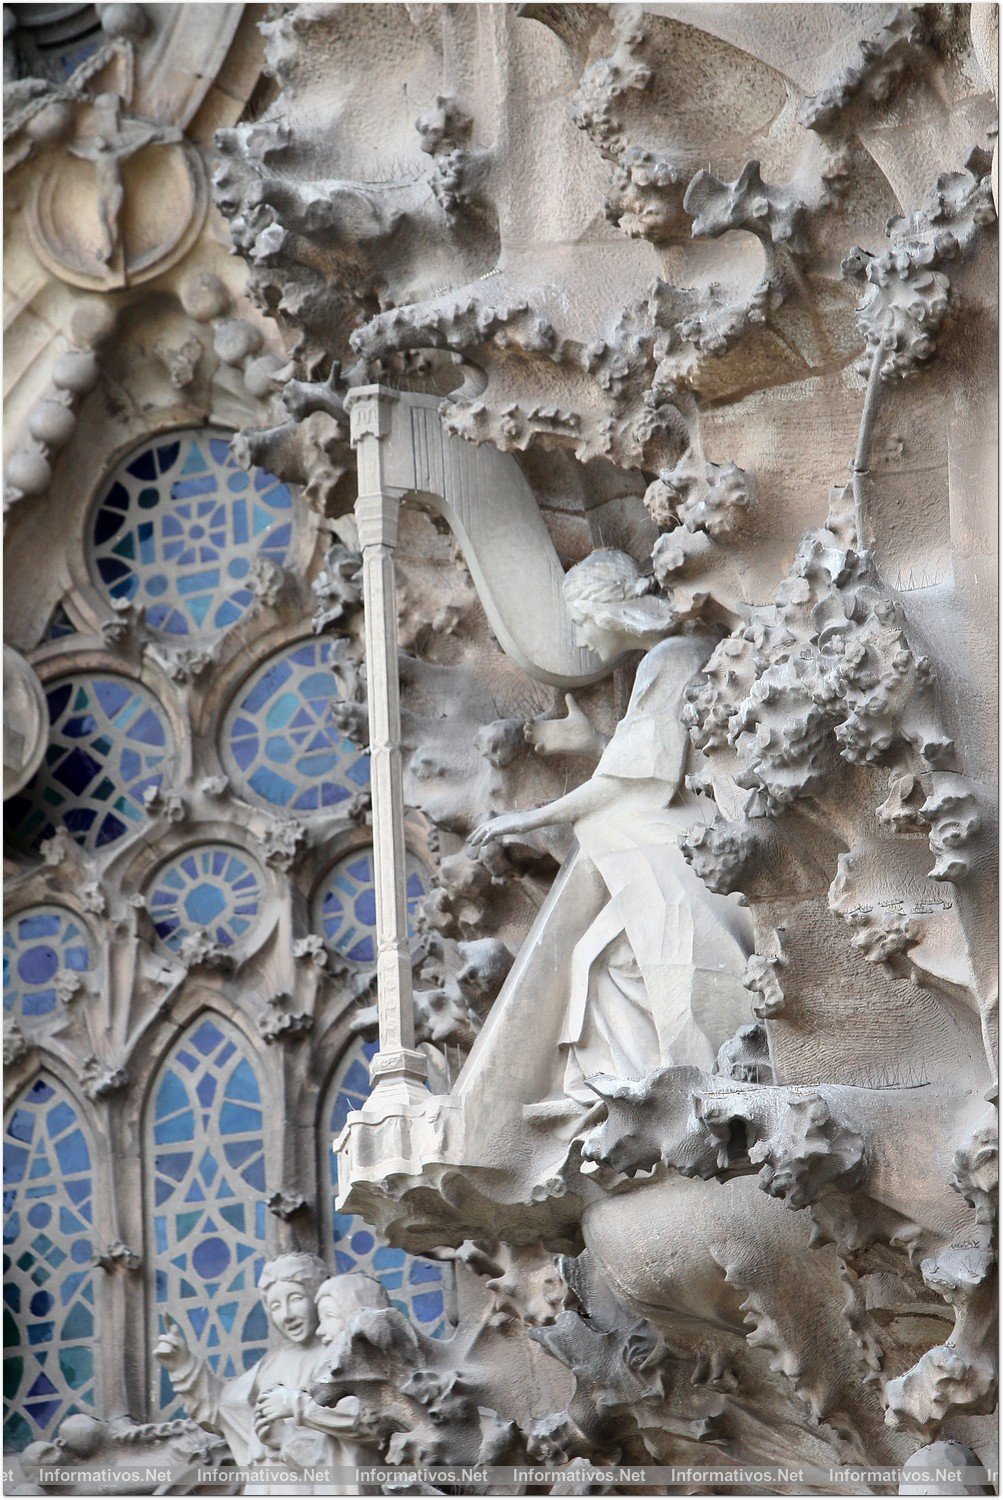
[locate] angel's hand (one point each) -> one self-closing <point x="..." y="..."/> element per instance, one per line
<point x="575" y="734"/>
<point x="171" y="1347"/>
<point x="496" y="828"/>
<point x="274" y="1404"/>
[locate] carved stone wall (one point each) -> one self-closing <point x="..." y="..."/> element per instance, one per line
<point x="500" y="676"/>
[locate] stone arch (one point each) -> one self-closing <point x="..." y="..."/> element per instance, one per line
<point x="49" y="1242"/>
<point x="207" y="1227"/>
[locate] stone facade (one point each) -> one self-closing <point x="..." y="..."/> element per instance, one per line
<point x="499" y="680"/>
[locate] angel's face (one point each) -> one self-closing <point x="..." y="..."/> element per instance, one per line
<point x="292" y="1311"/>
<point x="607" y="644"/>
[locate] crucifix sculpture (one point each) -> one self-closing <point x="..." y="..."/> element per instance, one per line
<point x="114" y="141"/>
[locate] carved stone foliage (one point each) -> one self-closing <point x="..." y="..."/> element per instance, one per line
<point x="799" y="290"/>
<point x="612" y="786"/>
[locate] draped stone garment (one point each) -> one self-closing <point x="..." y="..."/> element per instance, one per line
<point x="227" y="1406"/>
<point x="632" y="963"/>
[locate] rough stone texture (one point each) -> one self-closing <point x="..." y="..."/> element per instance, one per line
<point x="695" y="304"/>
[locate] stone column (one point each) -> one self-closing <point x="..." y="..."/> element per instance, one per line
<point x="397" y="1070"/>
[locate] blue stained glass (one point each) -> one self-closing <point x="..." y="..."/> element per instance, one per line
<point x="46" y="1292"/>
<point x="415" y="1285"/>
<point x="60" y="625"/>
<point x="281" y="738"/>
<point x="214" y="888"/>
<point x="164" y="529"/>
<point x="38" y="944"/>
<point x="203" y="1218"/>
<point x="108" y="741"/>
<point x="346" y="903"/>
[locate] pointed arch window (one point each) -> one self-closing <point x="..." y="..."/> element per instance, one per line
<point x="48" y="1272"/>
<point x="415" y="1285"/>
<point x="205" y="1175"/>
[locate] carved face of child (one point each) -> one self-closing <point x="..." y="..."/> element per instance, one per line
<point x="332" y="1317"/>
<point x="292" y="1310"/>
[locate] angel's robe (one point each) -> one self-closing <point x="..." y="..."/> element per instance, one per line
<point x="632" y="964"/>
<point x="656" y="976"/>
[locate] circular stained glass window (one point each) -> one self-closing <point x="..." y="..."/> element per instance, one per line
<point x="38" y="944"/>
<point x="282" y="742"/>
<point x="109" y="742"/>
<point x="179" y="528"/>
<point x="347" y="904"/>
<point x="214" y="889"/>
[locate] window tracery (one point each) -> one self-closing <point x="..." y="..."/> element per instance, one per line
<point x="282" y="742"/>
<point x="60" y="625"/>
<point x="179" y="528"/>
<point x="214" y="888"/>
<point x="206" y="1207"/>
<point x="49" y="1368"/>
<point x="109" y="743"/>
<point x="346" y="904"/>
<point x="39" y="944"/>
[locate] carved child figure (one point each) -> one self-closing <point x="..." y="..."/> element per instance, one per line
<point x="339" y="1301"/>
<point x="288" y="1286"/>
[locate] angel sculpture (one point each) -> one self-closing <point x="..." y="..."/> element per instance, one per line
<point x="288" y="1287"/>
<point x="655" y="974"/>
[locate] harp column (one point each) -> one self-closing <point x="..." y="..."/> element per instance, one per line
<point x="398" y="1070"/>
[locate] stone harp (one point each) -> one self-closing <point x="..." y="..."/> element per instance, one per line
<point x="403" y="453"/>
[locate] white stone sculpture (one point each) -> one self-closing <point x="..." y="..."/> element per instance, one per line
<point x="706" y="1008"/>
<point x="338" y="1300"/>
<point x="260" y="1436"/>
<point x="656" y="977"/>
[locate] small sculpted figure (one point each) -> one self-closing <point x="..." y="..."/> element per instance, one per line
<point x="288" y="1286"/>
<point x="656" y="975"/>
<point x="122" y="1449"/>
<point x="114" y="141"/>
<point x="340" y="1300"/>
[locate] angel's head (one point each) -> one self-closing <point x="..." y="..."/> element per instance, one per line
<point x="288" y="1286"/>
<point x="612" y="605"/>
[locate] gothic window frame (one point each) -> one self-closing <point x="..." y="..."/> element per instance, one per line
<point x="53" y="661"/>
<point x="274" y="646"/>
<point x="40" y="1064"/>
<point x="169" y="766"/>
<point x="201" y="1006"/>
<point x="140" y="871"/>
<point x="35" y="896"/>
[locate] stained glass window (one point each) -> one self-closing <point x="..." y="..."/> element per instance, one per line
<point x="215" y="889"/>
<point x="413" y="1284"/>
<point x="179" y="527"/>
<point x="48" y="1278"/>
<point x="59" y="625"/>
<point x="347" y="904"/>
<point x="37" y="945"/>
<point x="281" y="740"/>
<point x="108" y="742"/>
<point x="206" y="1205"/>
